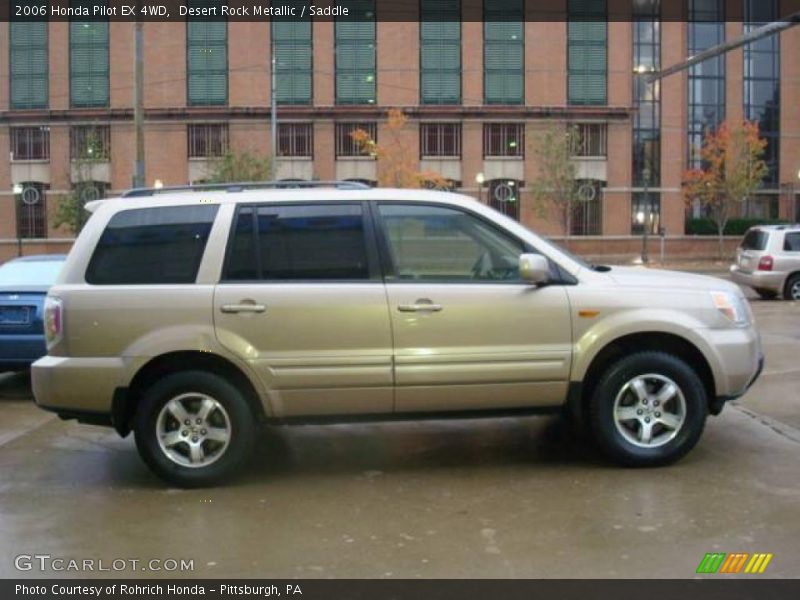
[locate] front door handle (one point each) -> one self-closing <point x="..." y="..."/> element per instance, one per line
<point x="422" y="305"/>
<point x="243" y="308"/>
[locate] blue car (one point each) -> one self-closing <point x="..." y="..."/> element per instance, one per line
<point x="23" y="286"/>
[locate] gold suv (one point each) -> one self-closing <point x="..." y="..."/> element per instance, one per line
<point x="192" y="316"/>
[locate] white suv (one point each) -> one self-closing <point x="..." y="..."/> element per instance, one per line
<point x="768" y="260"/>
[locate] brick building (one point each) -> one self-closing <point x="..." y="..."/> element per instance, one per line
<point x="477" y="94"/>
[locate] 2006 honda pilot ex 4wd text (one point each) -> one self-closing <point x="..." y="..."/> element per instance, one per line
<point x="192" y="317"/>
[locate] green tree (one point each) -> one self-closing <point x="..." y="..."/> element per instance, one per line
<point x="556" y="189"/>
<point x="71" y="212"/>
<point x="241" y="167"/>
<point x="732" y="170"/>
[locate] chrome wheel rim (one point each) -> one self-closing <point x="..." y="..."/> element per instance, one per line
<point x="795" y="291"/>
<point x="193" y="430"/>
<point x="649" y="410"/>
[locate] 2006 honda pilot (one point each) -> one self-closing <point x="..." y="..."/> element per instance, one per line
<point x="193" y="316"/>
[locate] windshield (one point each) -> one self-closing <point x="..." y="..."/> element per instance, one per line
<point x="30" y="272"/>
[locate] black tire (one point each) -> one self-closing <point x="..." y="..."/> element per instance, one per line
<point x="236" y="413"/>
<point x="766" y="294"/>
<point x="792" y="287"/>
<point x="602" y="410"/>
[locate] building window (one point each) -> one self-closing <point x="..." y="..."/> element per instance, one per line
<point x="504" y="52"/>
<point x="587" y="215"/>
<point x="440" y="51"/>
<point x="646" y="96"/>
<point x="438" y="140"/>
<point x="28" y="63"/>
<point x="645" y="209"/>
<point x="292" y="45"/>
<point x="296" y="140"/>
<point x="762" y="67"/>
<point x="32" y="210"/>
<point x="504" y="196"/>
<point x="707" y="79"/>
<point x="88" y="60"/>
<point x="355" y="53"/>
<point x="591" y="140"/>
<point x="587" y="41"/>
<point x="90" y="142"/>
<point x="207" y="58"/>
<point x="30" y="143"/>
<point x="345" y="145"/>
<point x="208" y="140"/>
<point x="504" y="140"/>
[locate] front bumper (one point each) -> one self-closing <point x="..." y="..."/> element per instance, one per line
<point x="762" y="280"/>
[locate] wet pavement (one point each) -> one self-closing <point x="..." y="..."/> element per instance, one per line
<point x="481" y="498"/>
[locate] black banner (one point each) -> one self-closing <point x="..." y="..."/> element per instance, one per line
<point x="721" y="589"/>
<point x="367" y="10"/>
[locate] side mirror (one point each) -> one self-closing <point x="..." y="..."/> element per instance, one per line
<point x="534" y="269"/>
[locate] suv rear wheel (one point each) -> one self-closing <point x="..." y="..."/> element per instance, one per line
<point x="793" y="287"/>
<point x="648" y="409"/>
<point x="194" y="429"/>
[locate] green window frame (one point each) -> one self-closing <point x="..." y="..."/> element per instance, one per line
<point x="587" y="53"/>
<point x="206" y="58"/>
<point x="440" y="52"/>
<point x="504" y="51"/>
<point x="355" y="38"/>
<point x="292" y="45"/>
<point x="88" y="61"/>
<point x="29" y="69"/>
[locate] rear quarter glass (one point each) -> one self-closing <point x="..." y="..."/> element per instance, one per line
<point x="755" y="239"/>
<point x="153" y="246"/>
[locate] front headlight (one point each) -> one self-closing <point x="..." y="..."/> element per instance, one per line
<point x="732" y="306"/>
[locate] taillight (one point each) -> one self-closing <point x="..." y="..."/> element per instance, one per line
<point x="765" y="264"/>
<point x="53" y="320"/>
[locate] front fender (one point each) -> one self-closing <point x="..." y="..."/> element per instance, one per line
<point x="638" y="321"/>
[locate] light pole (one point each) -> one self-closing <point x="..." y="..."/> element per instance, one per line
<point x="17" y="190"/>
<point x="480" y="179"/>
<point x="646" y="219"/>
<point x="273" y="113"/>
<point x="795" y="218"/>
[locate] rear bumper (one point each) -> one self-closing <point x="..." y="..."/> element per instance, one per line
<point x="20" y="351"/>
<point x="764" y="280"/>
<point x="76" y="386"/>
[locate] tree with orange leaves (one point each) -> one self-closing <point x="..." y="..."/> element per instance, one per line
<point x="732" y="169"/>
<point x="397" y="163"/>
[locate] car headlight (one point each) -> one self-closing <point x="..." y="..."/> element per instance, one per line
<point x="732" y="306"/>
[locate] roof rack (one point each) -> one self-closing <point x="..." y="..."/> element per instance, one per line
<point x="248" y="185"/>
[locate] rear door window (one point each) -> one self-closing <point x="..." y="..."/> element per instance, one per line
<point x="792" y="242"/>
<point x="755" y="239"/>
<point x="298" y="242"/>
<point x="152" y="246"/>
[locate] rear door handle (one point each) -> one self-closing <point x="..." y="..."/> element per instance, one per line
<point x="243" y="308"/>
<point x="420" y="307"/>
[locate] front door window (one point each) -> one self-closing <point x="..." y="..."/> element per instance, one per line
<point x="431" y="243"/>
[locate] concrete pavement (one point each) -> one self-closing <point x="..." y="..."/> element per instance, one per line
<point x="483" y="498"/>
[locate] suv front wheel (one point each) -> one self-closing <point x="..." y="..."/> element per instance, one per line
<point x="648" y="409"/>
<point x="194" y="428"/>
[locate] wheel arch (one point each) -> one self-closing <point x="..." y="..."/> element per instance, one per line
<point x="126" y="400"/>
<point x="787" y="281"/>
<point x="658" y="341"/>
